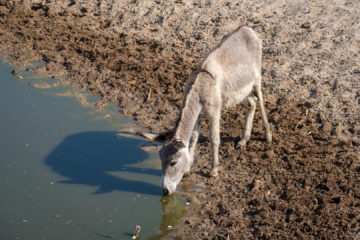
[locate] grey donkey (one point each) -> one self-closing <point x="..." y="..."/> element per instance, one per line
<point x="230" y="74"/>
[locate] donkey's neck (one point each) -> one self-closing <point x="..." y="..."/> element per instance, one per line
<point x="188" y="117"/>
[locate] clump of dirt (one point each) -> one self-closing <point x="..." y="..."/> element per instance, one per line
<point x="141" y="53"/>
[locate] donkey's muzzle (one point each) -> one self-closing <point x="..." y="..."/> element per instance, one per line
<point x="165" y="191"/>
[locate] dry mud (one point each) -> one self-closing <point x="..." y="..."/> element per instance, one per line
<point x="306" y="184"/>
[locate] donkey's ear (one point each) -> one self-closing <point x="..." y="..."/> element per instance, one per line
<point x="164" y="137"/>
<point x="161" y="138"/>
<point x="178" y="144"/>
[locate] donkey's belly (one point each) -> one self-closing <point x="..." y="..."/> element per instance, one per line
<point x="232" y="98"/>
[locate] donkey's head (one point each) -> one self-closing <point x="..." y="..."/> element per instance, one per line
<point x="175" y="161"/>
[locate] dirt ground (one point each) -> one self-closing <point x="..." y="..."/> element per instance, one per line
<point x="303" y="185"/>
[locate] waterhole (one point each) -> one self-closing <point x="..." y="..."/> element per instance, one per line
<point x="69" y="170"/>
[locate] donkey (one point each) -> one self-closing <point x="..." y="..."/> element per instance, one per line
<point x="228" y="75"/>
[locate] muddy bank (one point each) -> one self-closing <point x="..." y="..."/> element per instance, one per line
<point x="141" y="53"/>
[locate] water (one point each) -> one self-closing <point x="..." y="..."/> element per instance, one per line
<point x="67" y="172"/>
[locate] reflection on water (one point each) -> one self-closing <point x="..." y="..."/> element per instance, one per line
<point x="66" y="173"/>
<point x="172" y="210"/>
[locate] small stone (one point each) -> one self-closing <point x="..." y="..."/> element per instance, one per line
<point x="306" y="25"/>
<point x="280" y="205"/>
<point x="257" y="184"/>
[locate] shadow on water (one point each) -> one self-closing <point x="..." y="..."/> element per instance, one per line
<point x="88" y="157"/>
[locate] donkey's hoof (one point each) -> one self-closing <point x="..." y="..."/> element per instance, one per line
<point x="243" y="141"/>
<point x="241" y="145"/>
<point x="214" y="172"/>
<point x="269" y="138"/>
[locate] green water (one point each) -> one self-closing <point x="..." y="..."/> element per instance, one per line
<point x="67" y="172"/>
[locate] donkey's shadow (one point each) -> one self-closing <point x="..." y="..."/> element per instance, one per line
<point x="88" y="157"/>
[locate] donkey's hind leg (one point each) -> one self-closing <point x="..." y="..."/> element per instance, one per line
<point x="250" y="112"/>
<point x="265" y="122"/>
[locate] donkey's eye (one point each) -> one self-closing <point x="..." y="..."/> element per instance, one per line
<point x="173" y="163"/>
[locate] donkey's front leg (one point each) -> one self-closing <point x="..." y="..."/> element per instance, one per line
<point x="193" y="141"/>
<point x="215" y="140"/>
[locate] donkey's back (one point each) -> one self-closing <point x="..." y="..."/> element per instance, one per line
<point x="235" y="64"/>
